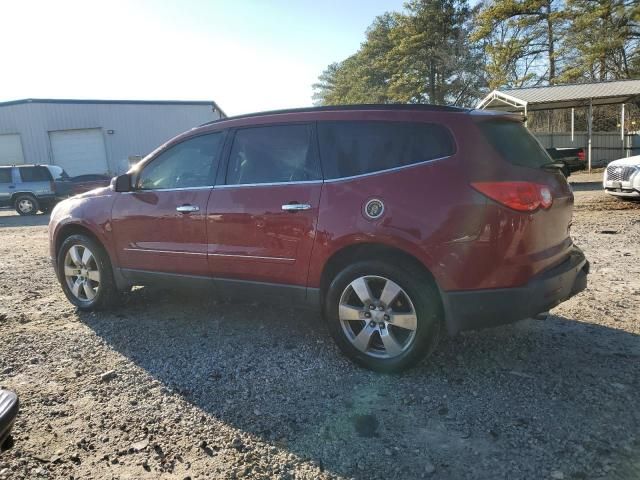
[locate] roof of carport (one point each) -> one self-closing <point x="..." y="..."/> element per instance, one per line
<point x="561" y="96"/>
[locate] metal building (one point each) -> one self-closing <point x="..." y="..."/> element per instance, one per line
<point x="581" y="95"/>
<point x="93" y="136"/>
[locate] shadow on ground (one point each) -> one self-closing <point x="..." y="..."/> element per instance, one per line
<point x="522" y="399"/>
<point x="12" y="219"/>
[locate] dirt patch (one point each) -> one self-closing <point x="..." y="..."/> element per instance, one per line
<point x="172" y="385"/>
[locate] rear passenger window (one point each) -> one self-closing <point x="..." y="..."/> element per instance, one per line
<point x="515" y="143"/>
<point x="5" y="175"/>
<point x="34" y="174"/>
<point x="355" y="148"/>
<point x="272" y="154"/>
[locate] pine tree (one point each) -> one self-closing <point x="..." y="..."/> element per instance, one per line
<point x="422" y="55"/>
<point x="603" y="41"/>
<point x="521" y="40"/>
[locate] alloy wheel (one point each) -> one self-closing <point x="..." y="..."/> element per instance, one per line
<point x="81" y="273"/>
<point x="26" y="206"/>
<point x="378" y="317"/>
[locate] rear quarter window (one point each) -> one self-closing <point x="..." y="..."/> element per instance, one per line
<point x="34" y="174"/>
<point x="352" y="148"/>
<point x="5" y="175"/>
<point x="515" y="143"/>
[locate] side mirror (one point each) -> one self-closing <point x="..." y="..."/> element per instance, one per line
<point x="122" y="183"/>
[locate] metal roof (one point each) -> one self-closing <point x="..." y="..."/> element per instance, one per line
<point x="562" y="96"/>
<point x="113" y="102"/>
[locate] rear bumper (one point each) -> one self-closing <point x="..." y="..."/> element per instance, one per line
<point x="474" y="309"/>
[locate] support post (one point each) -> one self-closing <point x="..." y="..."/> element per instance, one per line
<point x="590" y="124"/>
<point x="622" y="130"/>
<point x="572" y="123"/>
<point x="526" y="121"/>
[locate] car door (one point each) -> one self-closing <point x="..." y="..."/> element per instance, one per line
<point x="261" y="219"/>
<point x="160" y="225"/>
<point x="36" y="180"/>
<point x="6" y="186"/>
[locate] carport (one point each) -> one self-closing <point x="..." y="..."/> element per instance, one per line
<point x="583" y="95"/>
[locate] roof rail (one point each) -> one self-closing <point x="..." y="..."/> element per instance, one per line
<point x="364" y="106"/>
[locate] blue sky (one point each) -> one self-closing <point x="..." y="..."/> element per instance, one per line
<point x="246" y="55"/>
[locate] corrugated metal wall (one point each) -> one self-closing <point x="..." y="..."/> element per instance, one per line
<point x="138" y="128"/>
<point x="605" y="146"/>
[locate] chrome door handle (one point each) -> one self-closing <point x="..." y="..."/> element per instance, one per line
<point x="294" y="207"/>
<point x="188" y="208"/>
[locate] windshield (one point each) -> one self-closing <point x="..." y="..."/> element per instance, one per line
<point x="514" y="142"/>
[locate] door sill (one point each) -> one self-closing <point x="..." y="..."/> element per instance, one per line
<point x="231" y="288"/>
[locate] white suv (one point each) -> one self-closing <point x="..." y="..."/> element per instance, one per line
<point x="622" y="177"/>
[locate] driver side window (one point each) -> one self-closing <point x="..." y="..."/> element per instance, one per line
<point x="189" y="164"/>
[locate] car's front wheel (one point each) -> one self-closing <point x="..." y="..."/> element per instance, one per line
<point x="85" y="273"/>
<point x="26" y="204"/>
<point x="384" y="317"/>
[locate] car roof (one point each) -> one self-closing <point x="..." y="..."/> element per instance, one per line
<point x="384" y="112"/>
<point x="346" y="108"/>
<point x="23" y="165"/>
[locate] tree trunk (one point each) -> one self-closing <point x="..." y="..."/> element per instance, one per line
<point x="432" y="82"/>
<point x="551" y="40"/>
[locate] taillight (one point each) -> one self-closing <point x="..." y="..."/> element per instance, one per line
<point x="581" y="154"/>
<point x="520" y="196"/>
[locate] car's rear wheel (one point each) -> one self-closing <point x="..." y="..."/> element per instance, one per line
<point x="26" y="204"/>
<point x="384" y="317"/>
<point x="85" y="273"/>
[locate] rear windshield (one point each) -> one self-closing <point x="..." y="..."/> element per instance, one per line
<point x="514" y="142"/>
<point x="34" y="174"/>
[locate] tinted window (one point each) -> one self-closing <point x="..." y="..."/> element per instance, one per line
<point x="354" y="148"/>
<point x="34" y="174"/>
<point x="280" y="153"/>
<point x="191" y="163"/>
<point x="5" y="175"/>
<point x="514" y="142"/>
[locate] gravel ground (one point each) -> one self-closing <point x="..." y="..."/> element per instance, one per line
<point x="173" y="385"/>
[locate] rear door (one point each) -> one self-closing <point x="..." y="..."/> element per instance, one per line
<point x="160" y="225"/>
<point x="534" y="241"/>
<point x="262" y="217"/>
<point x="6" y="185"/>
<point x="37" y="180"/>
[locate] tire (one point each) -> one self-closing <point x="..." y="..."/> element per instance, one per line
<point x="26" y="204"/>
<point x="87" y="290"/>
<point x="416" y="304"/>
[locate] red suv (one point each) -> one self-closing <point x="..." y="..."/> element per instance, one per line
<point x="397" y="221"/>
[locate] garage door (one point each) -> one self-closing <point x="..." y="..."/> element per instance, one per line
<point x="79" y="151"/>
<point x="11" y="149"/>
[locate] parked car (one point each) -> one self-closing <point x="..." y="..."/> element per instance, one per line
<point x="396" y="221"/>
<point x="67" y="186"/>
<point x="622" y="178"/>
<point x="27" y="188"/>
<point x="8" y="412"/>
<point x="573" y="159"/>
